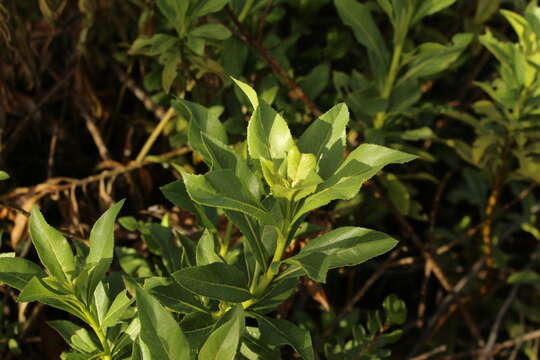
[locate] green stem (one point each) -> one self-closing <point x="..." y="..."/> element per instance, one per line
<point x="245" y="10"/>
<point x="226" y="240"/>
<point x="390" y="80"/>
<point x="99" y="333"/>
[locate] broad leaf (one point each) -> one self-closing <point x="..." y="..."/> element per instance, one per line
<point x="206" y="250"/>
<point x="76" y="337"/>
<point x="222" y="189"/>
<point x="171" y="253"/>
<point x="102" y="245"/>
<point x="223" y="342"/>
<point x="201" y="120"/>
<point x="159" y="330"/>
<point x="174" y="296"/>
<point x="16" y="272"/>
<point x="364" y="162"/>
<point x="202" y="7"/>
<point x="325" y="138"/>
<point x="345" y="246"/>
<point x="117" y="309"/>
<point x="252" y="233"/>
<point x="248" y="91"/>
<point x="211" y="31"/>
<point x="218" y="280"/>
<point x="176" y="193"/>
<point x="52" y="248"/>
<point x="429" y="7"/>
<point x="268" y="136"/>
<point x="281" y="332"/>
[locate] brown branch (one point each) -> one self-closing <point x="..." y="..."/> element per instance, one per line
<point x="296" y="91"/>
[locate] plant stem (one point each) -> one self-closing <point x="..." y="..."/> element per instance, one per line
<point x="154" y="135"/>
<point x="245" y="10"/>
<point x="226" y="240"/>
<point x="390" y="80"/>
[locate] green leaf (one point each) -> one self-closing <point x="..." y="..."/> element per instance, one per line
<point x="52" y="248"/>
<point x="176" y="193"/>
<point x="206" y="249"/>
<point x="170" y="252"/>
<point x="364" y="162"/>
<point x="248" y="91"/>
<point x="102" y="245"/>
<point x="223" y="189"/>
<point x="429" y="7"/>
<point x="485" y="10"/>
<point x="316" y="81"/>
<point x="37" y="290"/>
<point x="156" y="45"/>
<point x="524" y="277"/>
<point x="159" y="330"/>
<point x="170" y="59"/>
<point x="325" y="138"/>
<point x="202" y="7"/>
<point x="3" y="175"/>
<point x="268" y="136"/>
<point x="345" y="246"/>
<point x="201" y="120"/>
<point x="432" y="58"/>
<point x="117" y="309"/>
<point x="175" y="12"/>
<point x="358" y="17"/>
<point x="280" y="332"/>
<point x="218" y="281"/>
<point x="16" y="272"/>
<point x="395" y="309"/>
<point x="211" y="31"/>
<point x="75" y="336"/>
<point x="174" y="296"/>
<point x="223" y="342"/>
<point x="252" y="233"/>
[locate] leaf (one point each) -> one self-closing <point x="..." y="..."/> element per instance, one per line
<point x="201" y="120"/>
<point x="211" y="31"/>
<point x="429" y="7"/>
<point x="218" y="281"/>
<point x="524" y="277"/>
<point x="3" y="175"/>
<point x="358" y="17"/>
<point x="175" y="12"/>
<point x="316" y="81"/>
<point x="171" y="253"/>
<point x="395" y="309"/>
<point x="268" y="136"/>
<point x="345" y="246"/>
<point x="159" y="330"/>
<point x="52" y="248"/>
<point x="170" y="59"/>
<point x="156" y="45"/>
<point x="325" y="138"/>
<point x="174" y="296"/>
<point x="223" y="342"/>
<point x="432" y="58"/>
<point x="202" y="7"/>
<point x="37" y="290"/>
<point x="251" y="231"/>
<point x="16" y="272"/>
<point x="485" y="10"/>
<point x="206" y="249"/>
<point x="75" y="336"/>
<point x="102" y="245"/>
<point x="117" y="309"/>
<point x="280" y="332"/>
<point x="222" y="189"/>
<point x="248" y="91"/>
<point x="176" y="193"/>
<point x="364" y="162"/>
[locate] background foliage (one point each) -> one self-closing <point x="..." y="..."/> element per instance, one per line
<point x="96" y="99"/>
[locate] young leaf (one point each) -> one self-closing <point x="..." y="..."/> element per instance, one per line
<point x="211" y="31"/>
<point x="395" y="309"/>
<point x="221" y="188"/>
<point x="280" y="332"/>
<point x="76" y="337"/>
<point x="248" y="91"/>
<point x="268" y="136"/>
<point x="16" y="272"/>
<point x="102" y="245"/>
<point x="117" y="309"/>
<point x="159" y="330"/>
<point x="52" y="248"/>
<point x="429" y="7"/>
<point x="325" y="138"/>
<point x="218" y="280"/>
<point x="223" y="342"/>
<point x="206" y="250"/>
